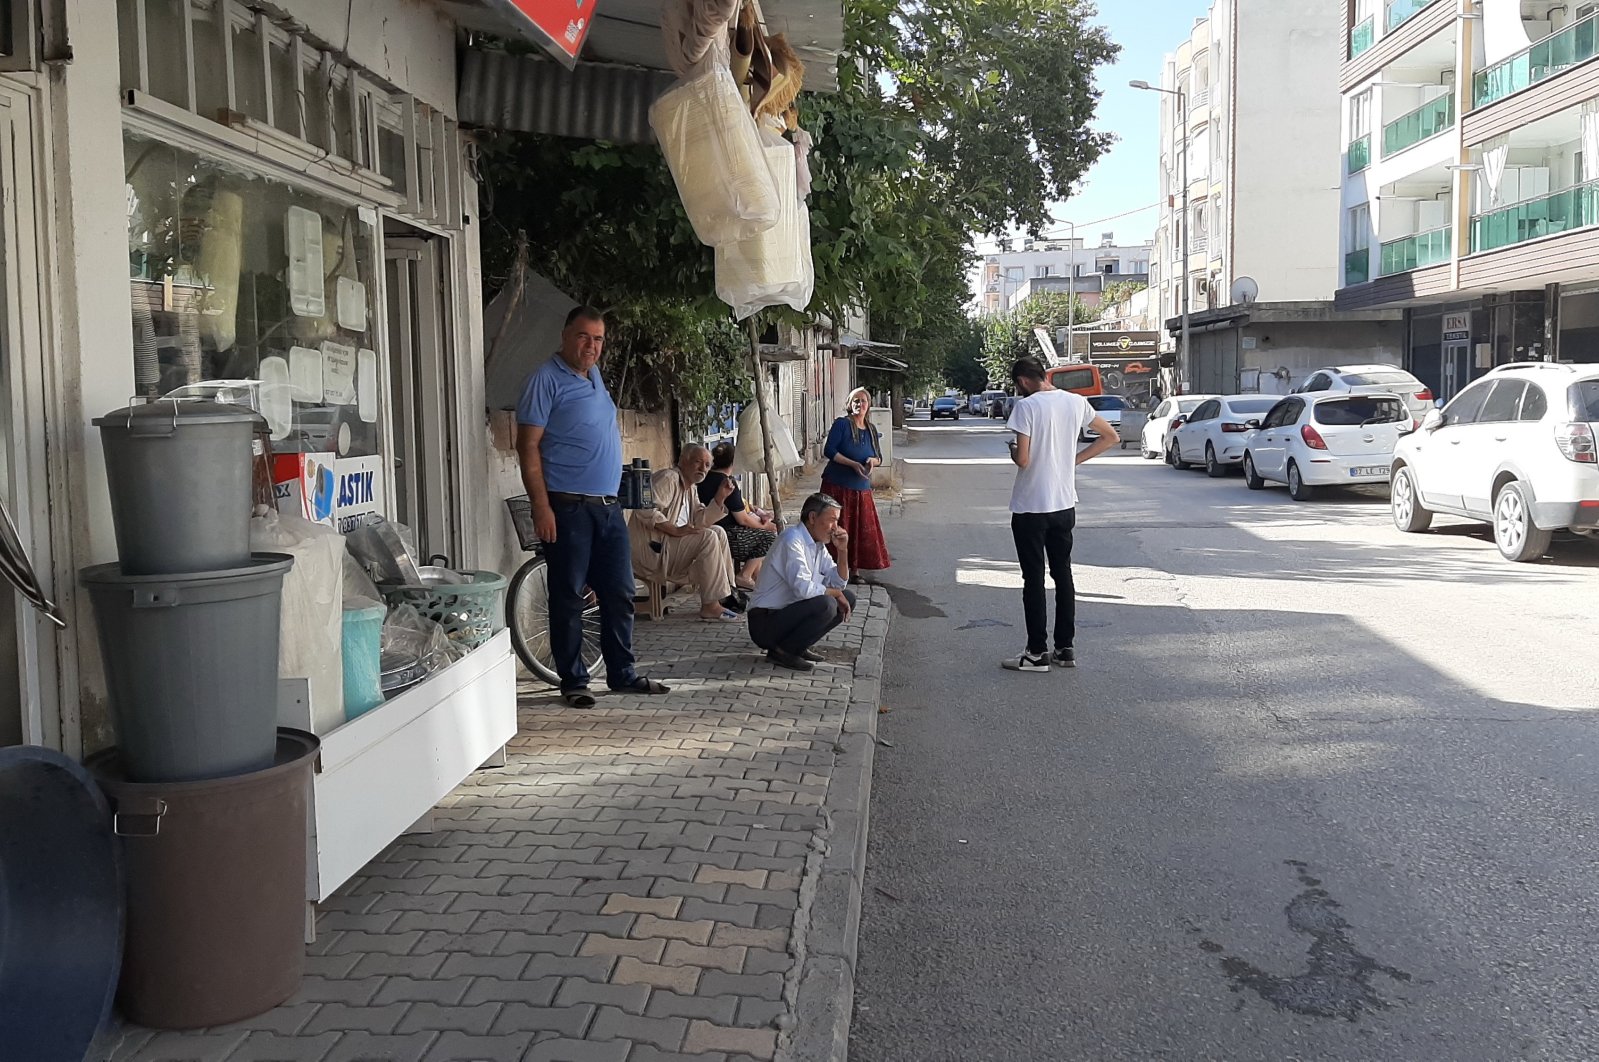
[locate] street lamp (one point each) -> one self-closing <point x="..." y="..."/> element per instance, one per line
<point x="1184" y="369"/>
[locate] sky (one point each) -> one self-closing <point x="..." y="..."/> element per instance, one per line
<point x="1127" y="177"/>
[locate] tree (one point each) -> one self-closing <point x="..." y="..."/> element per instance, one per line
<point x="1121" y="291"/>
<point x="1009" y="336"/>
<point x="952" y="117"/>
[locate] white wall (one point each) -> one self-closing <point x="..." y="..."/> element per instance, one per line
<point x="408" y="43"/>
<point x="1286" y="167"/>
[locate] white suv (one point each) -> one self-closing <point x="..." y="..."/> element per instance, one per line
<point x="1370" y="380"/>
<point x="1515" y="449"/>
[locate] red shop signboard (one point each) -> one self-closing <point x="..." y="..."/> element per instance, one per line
<point x="562" y="24"/>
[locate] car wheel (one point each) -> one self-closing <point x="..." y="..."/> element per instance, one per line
<point x="1213" y="468"/>
<point x="1174" y="458"/>
<point x="1298" y="489"/>
<point x="1252" y="479"/>
<point x="1517" y="537"/>
<point x="1405" y="503"/>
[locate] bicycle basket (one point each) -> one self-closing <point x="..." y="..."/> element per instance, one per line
<point x="470" y="613"/>
<point x="521" y="510"/>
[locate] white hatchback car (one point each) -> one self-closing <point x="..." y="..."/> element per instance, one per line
<point x="1372" y="379"/>
<point x="1516" y="450"/>
<point x="1168" y="414"/>
<point x="1325" y="440"/>
<point x="1214" y="433"/>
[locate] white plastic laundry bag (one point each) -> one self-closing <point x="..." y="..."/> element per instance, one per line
<point x="311" y="627"/>
<point x="714" y="152"/>
<point x="771" y="268"/>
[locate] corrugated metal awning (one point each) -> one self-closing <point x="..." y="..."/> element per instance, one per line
<point x="525" y="94"/>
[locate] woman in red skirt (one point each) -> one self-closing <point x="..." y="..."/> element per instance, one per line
<point x="853" y="450"/>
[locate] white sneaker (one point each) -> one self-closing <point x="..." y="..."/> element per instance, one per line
<point x="1027" y="662"/>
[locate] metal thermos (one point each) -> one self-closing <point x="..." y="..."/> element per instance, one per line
<point x="636" y="492"/>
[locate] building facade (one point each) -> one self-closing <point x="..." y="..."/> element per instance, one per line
<point x="1008" y="276"/>
<point x="1258" y="180"/>
<point x="1470" y="136"/>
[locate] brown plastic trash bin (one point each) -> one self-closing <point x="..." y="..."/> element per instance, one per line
<point x="216" y="874"/>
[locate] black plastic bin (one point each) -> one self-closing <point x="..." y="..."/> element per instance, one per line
<point x="216" y="900"/>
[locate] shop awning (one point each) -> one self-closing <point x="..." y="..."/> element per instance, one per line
<point x="878" y="361"/>
<point x="622" y="70"/>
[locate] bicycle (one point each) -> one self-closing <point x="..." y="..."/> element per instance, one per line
<point x="527" y="605"/>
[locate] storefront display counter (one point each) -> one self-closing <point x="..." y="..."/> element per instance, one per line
<point x="384" y="771"/>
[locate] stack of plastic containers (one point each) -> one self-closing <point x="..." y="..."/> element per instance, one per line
<point x="210" y="795"/>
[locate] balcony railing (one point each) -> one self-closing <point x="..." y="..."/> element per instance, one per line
<point x="1413" y="252"/>
<point x="1360" y="154"/>
<point x="1199" y="102"/>
<point x="1574" y="208"/>
<point x="1543" y="60"/>
<point x="1357" y="267"/>
<point x="1423" y="123"/>
<point x="1402" y="11"/>
<point x="1363" y="36"/>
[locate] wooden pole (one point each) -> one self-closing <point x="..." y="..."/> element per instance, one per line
<point x="760" y="407"/>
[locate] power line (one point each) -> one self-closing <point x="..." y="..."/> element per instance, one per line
<point x="1080" y="225"/>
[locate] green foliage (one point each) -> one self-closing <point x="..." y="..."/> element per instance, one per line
<point x="1121" y="291"/>
<point x="952" y="117"/>
<point x="1009" y="336"/>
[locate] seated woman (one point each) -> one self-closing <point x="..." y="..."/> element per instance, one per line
<point x="750" y="533"/>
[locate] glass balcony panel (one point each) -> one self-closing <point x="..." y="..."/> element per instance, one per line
<point x="1360" y="154"/>
<point x="1402" y="11"/>
<point x="1363" y="36"/>
<point x="1357" y="267"/>
<point x="1573" y="208"/>
<point x="1424" y="122"/>
<point x="1414" y="252"/>
<point x="1576" y="43"/>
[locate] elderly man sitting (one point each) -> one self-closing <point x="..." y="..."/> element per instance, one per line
<point x="678" y="540"/>
<point x="802" y="593"/>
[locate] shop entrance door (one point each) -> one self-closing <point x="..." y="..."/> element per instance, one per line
<point x="28" y="705"/>
<point x="1456" y="368"/>
<point x="422" y="390"/>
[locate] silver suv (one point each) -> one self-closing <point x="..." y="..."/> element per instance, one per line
<point x="1516" y="450"/>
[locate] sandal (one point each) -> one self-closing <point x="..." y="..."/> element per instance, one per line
<point x="581" y="697"/>
<point x="727" y="616"/>
<point x="647" y="686"/>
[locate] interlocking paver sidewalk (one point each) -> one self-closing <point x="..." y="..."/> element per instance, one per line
<point x="641" y="882"/>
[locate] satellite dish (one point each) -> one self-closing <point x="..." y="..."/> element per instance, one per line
<point x="1245" y="290"/>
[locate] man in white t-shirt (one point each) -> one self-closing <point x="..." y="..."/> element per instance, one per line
<point x="1048" y="423"/>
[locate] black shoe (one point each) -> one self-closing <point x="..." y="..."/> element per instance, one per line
<point x="788" y="660"/>
<point x="735" y="603"/>
<point x="1065" y="657"/>
<point x="813" y="656"/>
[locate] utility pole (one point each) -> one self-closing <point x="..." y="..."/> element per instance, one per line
<point x="1071" y="291"/>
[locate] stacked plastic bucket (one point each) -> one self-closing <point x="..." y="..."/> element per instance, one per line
<point x="210" y="796"/>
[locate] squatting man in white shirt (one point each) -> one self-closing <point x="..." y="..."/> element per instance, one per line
<point x="1048" y="423"/>
<point x="802" y="593"/>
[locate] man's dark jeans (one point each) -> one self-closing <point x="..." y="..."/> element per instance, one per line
<point x="591" y="553"/>
<point x="1046" y="538"/>
<point x="795" y="628"/>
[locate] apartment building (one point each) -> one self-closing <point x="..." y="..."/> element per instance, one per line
<point x="1471" y="179"/>
<point x="1009" y="276"/>
<point x="1241" y="113"/>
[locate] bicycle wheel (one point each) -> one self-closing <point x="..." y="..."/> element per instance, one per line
<point x="527" y="614"/>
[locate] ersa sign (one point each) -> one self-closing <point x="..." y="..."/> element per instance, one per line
<point x="358" y="490"/>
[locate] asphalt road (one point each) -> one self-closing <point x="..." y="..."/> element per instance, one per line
<point x="1317" y="790"/>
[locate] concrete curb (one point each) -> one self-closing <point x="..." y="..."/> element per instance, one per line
<point x="822" y="990"/>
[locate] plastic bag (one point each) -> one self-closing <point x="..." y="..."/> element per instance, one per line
<point x="715" y="155"/>
<point x="310" y="627"/>
<point x="408" y="633"/>
<point x="771" y="268"/>
<point x="747" y="450"/>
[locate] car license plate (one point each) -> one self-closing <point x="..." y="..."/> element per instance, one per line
<point x="1362" y="471"/>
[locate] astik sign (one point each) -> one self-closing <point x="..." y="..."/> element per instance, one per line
<point x="563" y="25"/>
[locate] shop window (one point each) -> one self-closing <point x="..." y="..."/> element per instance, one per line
<point x="249" y="72"/>
<point x="251" y="291"/>
<point x="285" y="86"/>
<point x="169" y="77"/>
<point x="210" y="62"/>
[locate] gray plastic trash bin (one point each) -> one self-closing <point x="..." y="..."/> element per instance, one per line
<point x="192" y="666"/>
<point x="216" y="888"/>
<point x="180" y="474"/>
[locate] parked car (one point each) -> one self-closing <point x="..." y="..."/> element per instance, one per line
<point x="1213" y="434"/>
<point x="986" y="407"/>
<point x="977" y="404"/>
<point x="946" y="406"/>
<point x="1108" y="406"/>
<point x="1166" y="416"/>
<point x="909" y="406"/>
<point x="1516" y="449"/>
<point x="999" y="406"/>
<point x="1373" y="379"/>
<point x="1325" y="440"/>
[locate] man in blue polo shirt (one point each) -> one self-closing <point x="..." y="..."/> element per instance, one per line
<point x="571" y="452"/>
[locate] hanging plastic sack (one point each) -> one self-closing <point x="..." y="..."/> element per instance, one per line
<point x="311" y="621"/>
<point x="747" y="449"/>
<point x="714" y="152"/>
<point x="771" y="268"/>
